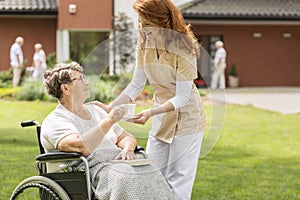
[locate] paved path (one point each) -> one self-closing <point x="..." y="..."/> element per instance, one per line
<point x="285" y="100"/>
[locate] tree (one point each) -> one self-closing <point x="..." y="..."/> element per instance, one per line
<point x="124" y="43"/>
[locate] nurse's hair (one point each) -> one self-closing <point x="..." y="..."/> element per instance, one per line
<point x="167" y="16"/>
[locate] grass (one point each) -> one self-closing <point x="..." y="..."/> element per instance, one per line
<point x="256" y="157"/>
<point x="18" y="146"/>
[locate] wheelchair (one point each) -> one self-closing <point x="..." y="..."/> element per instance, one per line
<point x="59" y="185"/>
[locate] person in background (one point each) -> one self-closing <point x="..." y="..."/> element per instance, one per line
<point x="218" y="77"/>
<point x="167" y="57"/>
<point x="16" y="59"/>
<point x="39" y="62"/>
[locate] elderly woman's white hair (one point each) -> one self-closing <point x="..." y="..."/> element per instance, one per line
<point x="219" y="44"/>
<point x="38" y="46"/>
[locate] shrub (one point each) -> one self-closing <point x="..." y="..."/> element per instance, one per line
<point x="51" y="60"/>
<point x="106" y="88"/>
<point x="202" y="93"/>
<point x="107" y="77"/>
<point x="7" y="93"/>
<point x="233" y="71"/>
<point x="6" y="78"/>
<point x="104" y="91"/>
<point x="33" y="90"/>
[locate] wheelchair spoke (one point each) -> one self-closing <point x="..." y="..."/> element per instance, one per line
<point x="38" y="187"/>
<point x="35" y="191"/>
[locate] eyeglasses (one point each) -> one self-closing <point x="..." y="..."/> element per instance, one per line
<point x="81" y="78"/>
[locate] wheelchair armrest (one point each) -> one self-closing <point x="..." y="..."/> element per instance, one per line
<point x="61" y="155"/>
<point x="140" y="152"/>
<point x="138" y="149"/>
<point x="58" y="155"/>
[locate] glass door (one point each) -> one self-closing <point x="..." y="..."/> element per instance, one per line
<point x="205" y="62"/>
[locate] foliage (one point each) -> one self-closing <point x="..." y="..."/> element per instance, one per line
<point x="6" y="78"/>
<point x="33" y="90"/>
<point x="107" y="77"/>
<point x="124" y="42"/>
<point x="109" y="87"/>
<point x="102" y="91"/>
<point x="202" y="92"/>
<point x="122" y="22"/>
<point x="106" y="88"/>
<point x="8" y="93"/>
<point x="148" y="90"/>
<point x="233" y="71"/>
<point x="51" y="60"/>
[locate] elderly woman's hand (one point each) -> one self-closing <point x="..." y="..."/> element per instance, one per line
<point x="125" y="155"/>
<point x="117" y="113"/>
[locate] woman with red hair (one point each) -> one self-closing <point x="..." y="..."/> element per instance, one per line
<point x="167" y="57"/>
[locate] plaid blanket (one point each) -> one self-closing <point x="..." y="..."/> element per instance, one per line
<point x="125" y="182"/>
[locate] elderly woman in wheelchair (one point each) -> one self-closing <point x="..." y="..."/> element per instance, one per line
<point x="87" y="129"/>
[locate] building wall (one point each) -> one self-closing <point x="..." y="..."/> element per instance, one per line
<point x="90" y="15"/>
<point x="33" y="30"/>
<point x="267" y="61"/>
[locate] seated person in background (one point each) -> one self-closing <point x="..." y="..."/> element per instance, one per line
<point x="85" y="128"/>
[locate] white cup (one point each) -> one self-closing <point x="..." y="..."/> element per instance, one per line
<point x="129" y="110"/>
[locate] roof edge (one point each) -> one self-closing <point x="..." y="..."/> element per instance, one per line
<point x="235" y="18"/>
<point x="190" y="4"/>
<point x="243" y="22"/>
<point x="31" y="12"/>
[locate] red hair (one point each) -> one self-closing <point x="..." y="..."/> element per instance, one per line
<point x="166" y="15"/>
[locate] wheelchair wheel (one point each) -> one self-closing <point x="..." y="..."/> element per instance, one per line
<point x="39" y="187"/>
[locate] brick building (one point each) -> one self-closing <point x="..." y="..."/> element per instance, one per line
<point x="261" y="37"/>
<point x="60" y="25"/>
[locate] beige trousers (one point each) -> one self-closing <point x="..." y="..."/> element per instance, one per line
<point x="16" y="75"/>
<point x="218" y="77"/>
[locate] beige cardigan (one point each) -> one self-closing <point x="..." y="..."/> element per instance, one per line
<point x="162" y="73"/>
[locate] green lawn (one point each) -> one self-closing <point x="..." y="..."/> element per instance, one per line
<point x="257" y="156"/>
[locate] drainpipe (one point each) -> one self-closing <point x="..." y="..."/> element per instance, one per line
<point x="114" y="34"/>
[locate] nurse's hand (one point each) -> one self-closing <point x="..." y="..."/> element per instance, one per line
<point x="105" y="107"/>
<point x="141" y="118"/>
